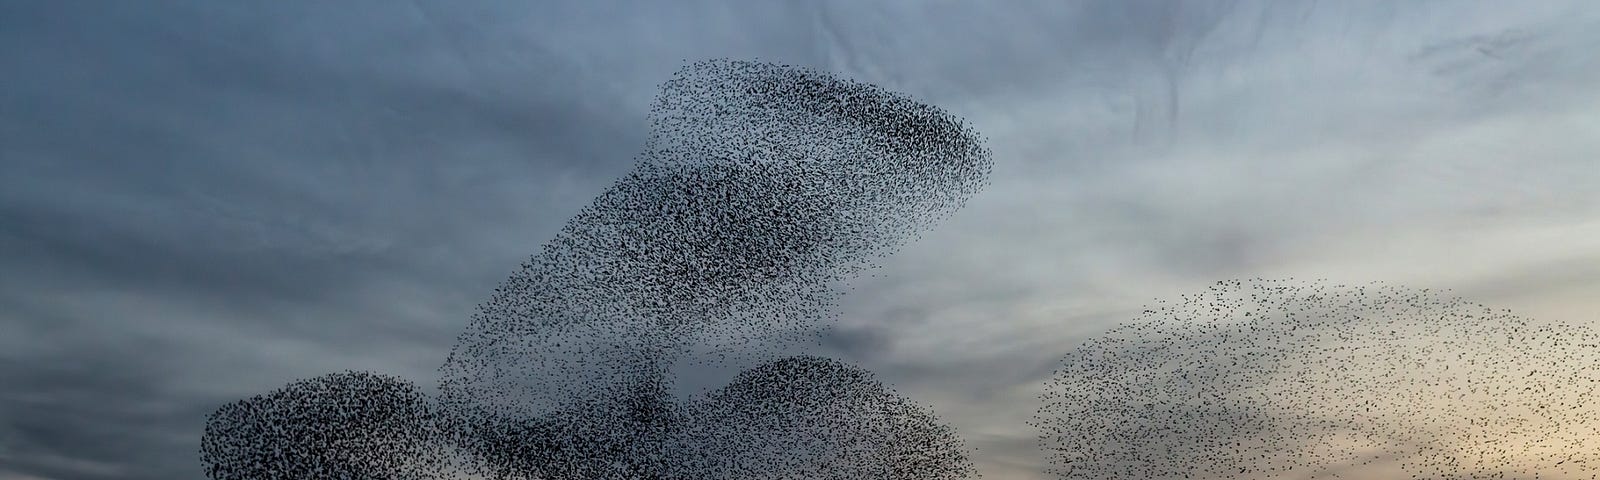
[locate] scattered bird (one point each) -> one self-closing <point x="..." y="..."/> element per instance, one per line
<point x="1286" y="379"/>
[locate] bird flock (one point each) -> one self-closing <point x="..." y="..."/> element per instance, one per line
<point x="1292" y="379"/>
<point x="761" y="189"/>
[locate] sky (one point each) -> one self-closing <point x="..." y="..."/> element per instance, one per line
<point x="203" y="201"/>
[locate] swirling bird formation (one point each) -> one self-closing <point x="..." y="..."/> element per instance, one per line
<point x="761" y="188"/>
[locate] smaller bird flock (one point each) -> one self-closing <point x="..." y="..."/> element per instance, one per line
<point x="1288" y="379"/>
<point x="761" y="189"/>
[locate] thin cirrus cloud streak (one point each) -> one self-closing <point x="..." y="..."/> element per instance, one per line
<point x="192" y="189"/>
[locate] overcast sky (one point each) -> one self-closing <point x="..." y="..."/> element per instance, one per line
<point x="202" y="201"/>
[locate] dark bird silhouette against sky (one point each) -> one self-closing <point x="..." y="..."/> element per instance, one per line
<point x="761" y="188"/>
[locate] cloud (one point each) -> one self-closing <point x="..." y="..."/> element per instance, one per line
<point x="193" y="190"/>
<point x="208" y="175"/>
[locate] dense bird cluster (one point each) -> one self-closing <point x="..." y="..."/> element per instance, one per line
<point x="1286" y="379"/>
<point x="816" y="418"/>
<point x="791" y="419"/>
<point x="352" y="425"/>
<point x="760" y="189"/>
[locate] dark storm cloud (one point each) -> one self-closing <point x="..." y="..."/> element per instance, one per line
<point x="276" y="153"/>
<point x="72" y="415"/>
<point x="189" y="186"/>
